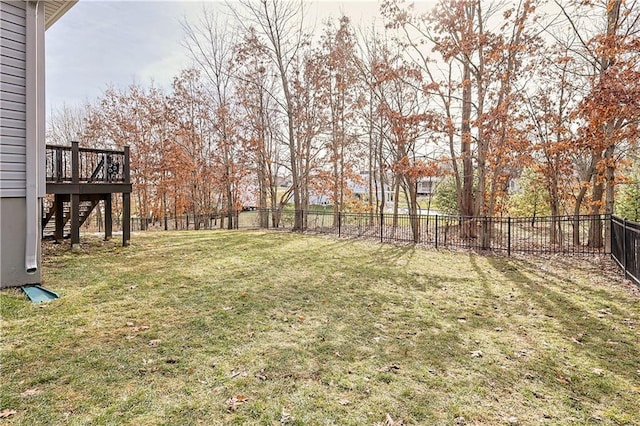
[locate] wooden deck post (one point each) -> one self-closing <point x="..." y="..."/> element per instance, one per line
<point x="126" y="218"/>
<point x="126" y="202"/>
<point x="108" y="220"/>
<point x="75" y="198"/>
<point x="59" y="213"/>
<point x="75" y="221"/>
<point x="75" y="163"/>
<point x="58" y="162"/>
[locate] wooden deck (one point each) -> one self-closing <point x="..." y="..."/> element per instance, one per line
<point x="80" y="179"/>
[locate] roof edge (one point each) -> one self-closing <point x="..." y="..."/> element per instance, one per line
<point x="61" y="9"/>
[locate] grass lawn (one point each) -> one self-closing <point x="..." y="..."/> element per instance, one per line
<point x="218" y="327"/>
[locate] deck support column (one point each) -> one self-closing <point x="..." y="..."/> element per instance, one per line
<point x="126" y="200"/>
<point x="108" y="221"/>
<point x="126" y="218"/>
<point x="75" y="221"/>
<point x="75" y="198"/>
<point x="59" y="213"/>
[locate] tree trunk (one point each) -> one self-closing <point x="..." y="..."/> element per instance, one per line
<point x="595" y="223"/>
<point x="609" y="194"/>
<point x="466" y="199"/>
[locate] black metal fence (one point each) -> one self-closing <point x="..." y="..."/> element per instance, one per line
<point x="550" y="234"/>
<point x="625" y="247"/>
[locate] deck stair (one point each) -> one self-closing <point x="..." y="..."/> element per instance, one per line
<point x="48" y="218"/>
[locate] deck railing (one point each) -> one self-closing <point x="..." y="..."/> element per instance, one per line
<point x="72" y="164"/>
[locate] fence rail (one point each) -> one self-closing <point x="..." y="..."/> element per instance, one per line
<point x="561" y="234"/>
<point x="625" y="247"/>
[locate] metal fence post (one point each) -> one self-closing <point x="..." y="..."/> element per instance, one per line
<point x="509" y="236"/>
<point x="381" y="225"/>
<point x="339" y="224"/>
<point x="624" y="246"/>
<point x="436" y="231"/>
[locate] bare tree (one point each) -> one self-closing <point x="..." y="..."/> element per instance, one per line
<point x="279" y="26"/>
<point x="67" y="124"/>
<point x="605" y="42"/>
<point x="211" y="44"/>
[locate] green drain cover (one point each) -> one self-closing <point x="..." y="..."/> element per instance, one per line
<point x="39" y="294"/>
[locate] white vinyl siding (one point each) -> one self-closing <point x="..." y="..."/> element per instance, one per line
<point x="12" y="99"/>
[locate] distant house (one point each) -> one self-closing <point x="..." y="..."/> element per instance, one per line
<point x="22" y="135"/>
<point x="361" y="190"/>
<point x="427" y="186"/>
<point x="318" y="200"/>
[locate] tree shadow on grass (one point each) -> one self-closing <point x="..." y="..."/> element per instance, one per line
<point x="600" y="335"/>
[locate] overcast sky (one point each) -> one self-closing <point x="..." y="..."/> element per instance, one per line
<point x="98" y="43"/>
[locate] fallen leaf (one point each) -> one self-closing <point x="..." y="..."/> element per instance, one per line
<point x="154" y="343"/>
<point x="7" y="412"/>
<point x="344" y="402"/>
<point x="30" y="392"/>
<point x="301" y="318"/>
<point x="235" y="401"/>
<point x="598" y="371"/>
<point x="235" y="374"/>
<point x="390" y="368"/>
<point x="390" y="422"/>
<point x="261" y="375"/>
<point x="285" y="416"/>
<point x="476" y="354"/>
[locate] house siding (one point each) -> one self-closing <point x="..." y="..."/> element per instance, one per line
<point x="13" y="99"/>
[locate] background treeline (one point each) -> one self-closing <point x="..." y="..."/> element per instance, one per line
<point x="517" y="107"/>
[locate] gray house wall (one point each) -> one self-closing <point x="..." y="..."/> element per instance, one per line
<point x="14" y="106"/>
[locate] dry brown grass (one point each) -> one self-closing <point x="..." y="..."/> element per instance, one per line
<point x="272" y="328"/>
